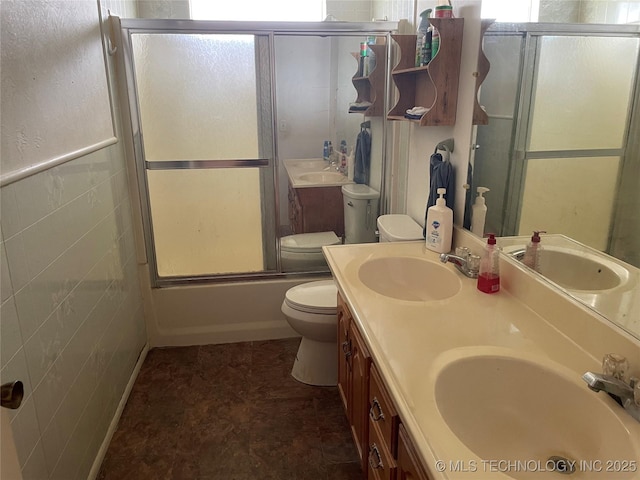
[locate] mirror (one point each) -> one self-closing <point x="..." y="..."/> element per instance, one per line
<point x="561" y="150"/>
<point x="318" y="83"/>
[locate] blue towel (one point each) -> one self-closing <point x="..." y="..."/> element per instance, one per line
<point x="441" y="175"/>
<point x="467" y="199"/>
<point x="363" y="157"/>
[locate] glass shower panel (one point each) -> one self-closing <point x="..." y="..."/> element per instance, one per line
<point x="207" y="222"/>
<point x="198" y="97"/>
<point x="574" y="196"/>
<point x="594" y="77"/>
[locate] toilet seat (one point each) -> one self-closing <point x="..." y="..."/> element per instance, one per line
<point x="314" y="297"/>
<point x="308" y="242"/>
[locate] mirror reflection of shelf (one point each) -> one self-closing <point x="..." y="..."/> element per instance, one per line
<point x="370" y="88"/>
<point x="435" y="85"/>
<point x="480" y="117"/>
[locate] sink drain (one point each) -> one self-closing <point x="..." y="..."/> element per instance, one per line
<point x="562" y="464"/>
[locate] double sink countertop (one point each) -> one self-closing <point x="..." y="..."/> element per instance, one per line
<point x="411" y="342"/>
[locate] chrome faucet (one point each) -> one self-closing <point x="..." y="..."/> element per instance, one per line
<point x="467" y="263"/>
<point x="518" y="254"/>
<point x="617" y="389"/>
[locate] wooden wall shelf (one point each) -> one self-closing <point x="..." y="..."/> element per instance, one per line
<point x="370" y="88"/>
<point x="480" y="117"/>
<point x="435" y="85"/>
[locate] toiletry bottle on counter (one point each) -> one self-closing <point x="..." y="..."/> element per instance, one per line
<point x="479" y="213"/>
<point x="533" y="251"/>
<point x="489" y="275"/>
<point x="439" y="225"/>
<point x="343" y="157"/>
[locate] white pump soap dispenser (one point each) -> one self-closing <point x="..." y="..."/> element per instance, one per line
<point x="439" y="227"/>
<point x="479" y="213"/>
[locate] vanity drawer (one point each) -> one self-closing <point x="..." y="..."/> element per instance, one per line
<point x="381" y="465"/>
<point x="382" y="413"/>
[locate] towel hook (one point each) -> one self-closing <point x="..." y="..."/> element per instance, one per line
<point x="366" y="124"/>
<point x="446" y="145"/>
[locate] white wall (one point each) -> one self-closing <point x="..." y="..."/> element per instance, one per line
<point x="71" y="316"/>
<point x="424" y="139"/>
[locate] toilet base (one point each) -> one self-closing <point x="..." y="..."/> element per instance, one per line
<point x="316" y="363"/>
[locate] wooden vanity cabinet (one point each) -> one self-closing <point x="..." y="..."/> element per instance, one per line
<point x="316" y="209"/>
<point x="385" y="450"/>
<point x="409" y="466"/>
<point x="353" y="379"/>
<point x="344" y="352"/>
<point x="383" y="430"/>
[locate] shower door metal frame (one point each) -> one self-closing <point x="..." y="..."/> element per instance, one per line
<point x="520" y="154"/>
<point x="134" y="135"/>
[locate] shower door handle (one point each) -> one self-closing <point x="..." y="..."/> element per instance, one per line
<point x="11" y="395"/>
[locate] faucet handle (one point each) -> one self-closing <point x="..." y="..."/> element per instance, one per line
<point x="615" y="365"/>
<point x="463" y="252"/>
<point x="473" y="263"/>
<point x="635" y="384"/>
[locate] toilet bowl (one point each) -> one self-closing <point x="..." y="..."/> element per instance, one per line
<point x="303" y="251"/>
<point x="310" y="309"/>
<point x="398" y="228"/>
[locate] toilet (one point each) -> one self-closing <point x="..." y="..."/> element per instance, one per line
<point x="360" y="213"/>
<point x="398" y="228"/>
<point x="310" y="308"/>
<point x="303" y="252"/>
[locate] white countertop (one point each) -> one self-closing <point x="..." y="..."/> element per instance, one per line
<point x="407" y="340"/>
<point x="297" y="168"/>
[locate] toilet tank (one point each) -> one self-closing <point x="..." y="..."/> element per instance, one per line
<point x="398" y="228"/>
<point x="360" y="213"/>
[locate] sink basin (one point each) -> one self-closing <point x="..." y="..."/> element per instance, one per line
<point x="311" y="164"/>
<point x="409" y="278"/>
<point x="323" y="177"/>
<point x="579" y="271"/>
<point x="509" y="408"/>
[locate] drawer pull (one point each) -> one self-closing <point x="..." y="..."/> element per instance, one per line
<point x="375" y="405"/>
<point x="373" y="450"/>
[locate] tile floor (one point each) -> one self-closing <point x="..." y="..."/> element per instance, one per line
<point x="230" y="412"/>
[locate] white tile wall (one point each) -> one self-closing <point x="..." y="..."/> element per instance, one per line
<point x="78" y="314"/>
<point x="71" y="319"/>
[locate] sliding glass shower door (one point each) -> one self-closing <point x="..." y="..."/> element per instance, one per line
<point x="555" y="151"/>
<point x="205" y="151"/>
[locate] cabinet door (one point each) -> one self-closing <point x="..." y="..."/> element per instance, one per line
<point x="295" y="213"/>
<point x="379" y="459"/>
<point x="409" y="467"/>
<point x="344" y="354"/>
<point x="382" y="413"/>
<point x="360" y="361"/>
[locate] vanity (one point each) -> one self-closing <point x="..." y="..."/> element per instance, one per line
<point x="454" y="383"/>
<point x="315" y="196"/>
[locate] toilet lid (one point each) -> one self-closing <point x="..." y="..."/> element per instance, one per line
<point x="308" y="242"/>
<point x="400" y="227"/>
<point x="359" y="191"/>
<point x="314" y="297"/>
